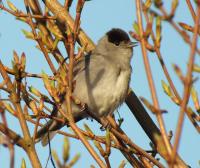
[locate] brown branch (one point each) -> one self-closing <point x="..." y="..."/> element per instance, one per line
<point x="92" y="137"/>
<point x="191" y="9"/>
<point x="146" y="163"/>
<point x="73" y="25"/>
<point x="68" y="4"/>
<point x="172" y="86"/>
<point x="9" y="143"/>
<point x="139" y="110"/>
<point x="149" y="126"/>
<point x="17" y="139"/>
<point x="21" y="14"/>
<point x="43" y="49"/>
<point x="41" y="25"/>
<point x="191" y="118"/>
<point x="121" y="135"/>
<point x="26" y="74"/>
<point x="64" y="18"/>
<point x="183" y="34"/>
<point x="187" y="87"/>
<point x="69" y="117"/>
<point x="127" y="153"/>
<point x="29" y="145"/>
<point x="72" y="40"/>
<point x="150" y="78"/>
<point x="15" y="101"/>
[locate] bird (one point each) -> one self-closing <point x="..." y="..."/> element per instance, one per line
<point x="101" y="78"/>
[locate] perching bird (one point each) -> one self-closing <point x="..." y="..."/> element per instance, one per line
<point x="102" y="80"/>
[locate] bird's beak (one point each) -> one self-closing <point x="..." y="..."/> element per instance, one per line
<point x="132" y="44"/>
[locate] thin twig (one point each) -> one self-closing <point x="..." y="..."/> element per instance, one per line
<point x="172" y="86"/>
<point x="43" y="49"/>
<point x="188" y="82"/>
<point x="191" y="9"/>
<point x="121" y="135"/>
<point x="64" y="18"/>
<point x="9" y="143"/>
<point x="150" y="78"/>
<point x="21" y="14"/>
<point x="183" y="34"/>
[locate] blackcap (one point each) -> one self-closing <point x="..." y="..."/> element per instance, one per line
<point x="102" y="80"/>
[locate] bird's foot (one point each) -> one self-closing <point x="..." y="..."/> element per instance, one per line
<point x="105" y="124"/>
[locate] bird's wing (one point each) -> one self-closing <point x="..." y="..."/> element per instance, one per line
<point x="47" y="132"/>
<point x="80" y="65"/>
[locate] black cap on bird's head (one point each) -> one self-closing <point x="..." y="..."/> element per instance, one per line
<point x="117" y="36"/>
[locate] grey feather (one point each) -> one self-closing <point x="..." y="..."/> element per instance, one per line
<point x="102" y="79"/>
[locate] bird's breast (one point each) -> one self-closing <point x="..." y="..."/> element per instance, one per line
<point x="121" y="85"/>
<point x="115" y="91"/>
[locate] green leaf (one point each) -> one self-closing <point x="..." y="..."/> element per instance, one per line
<point x="87" y="128"/>
<point x="196" y="68"/>
<point x="74" y="160"/>
<point x="23" y="164"/>
<point x="34" y="91"/>
<point x="23" y="61"/>
<point x="136" y="28"/>
<point x="166" y="88"/>
<point x="27" y="34"/>
<point x="66" y="148"/>
<point x="158" y="30"/>
<point x="147" y="4"/>
<point x="12" y="6"/>
<point x="195" y="98"/>
<point x="174" y="4"/>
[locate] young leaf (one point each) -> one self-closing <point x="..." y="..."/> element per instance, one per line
<point x="147" y="4"/>
<point x="195" y="99"/>
<point x="196" y="68"/>
<point x="12" y="6"/>
<point x="158" y="30"/>
<point x="66" y="148"/>
<point x="136" y="28"/>
<point x="166" y="88"/>
<point x="27" y="34"/>
<point x="23" y="164"/>
<point x="74" y="160"/>
<point x="34" y="91"/>
<point x="87" y="128"/>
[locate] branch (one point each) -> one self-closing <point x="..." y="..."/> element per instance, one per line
<point x="150" y="78"/>
<point x="187" y="87"/>
<point x="65" y="19"/>
<point x="17" y="139"/>
<point x="30" y="149"/>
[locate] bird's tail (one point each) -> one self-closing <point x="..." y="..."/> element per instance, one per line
<point x="48" y="131"/>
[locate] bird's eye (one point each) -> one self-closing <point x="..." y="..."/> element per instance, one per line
<point x="117" y="43"/>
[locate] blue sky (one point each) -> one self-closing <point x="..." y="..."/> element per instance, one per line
<point x="97" y="18"/>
